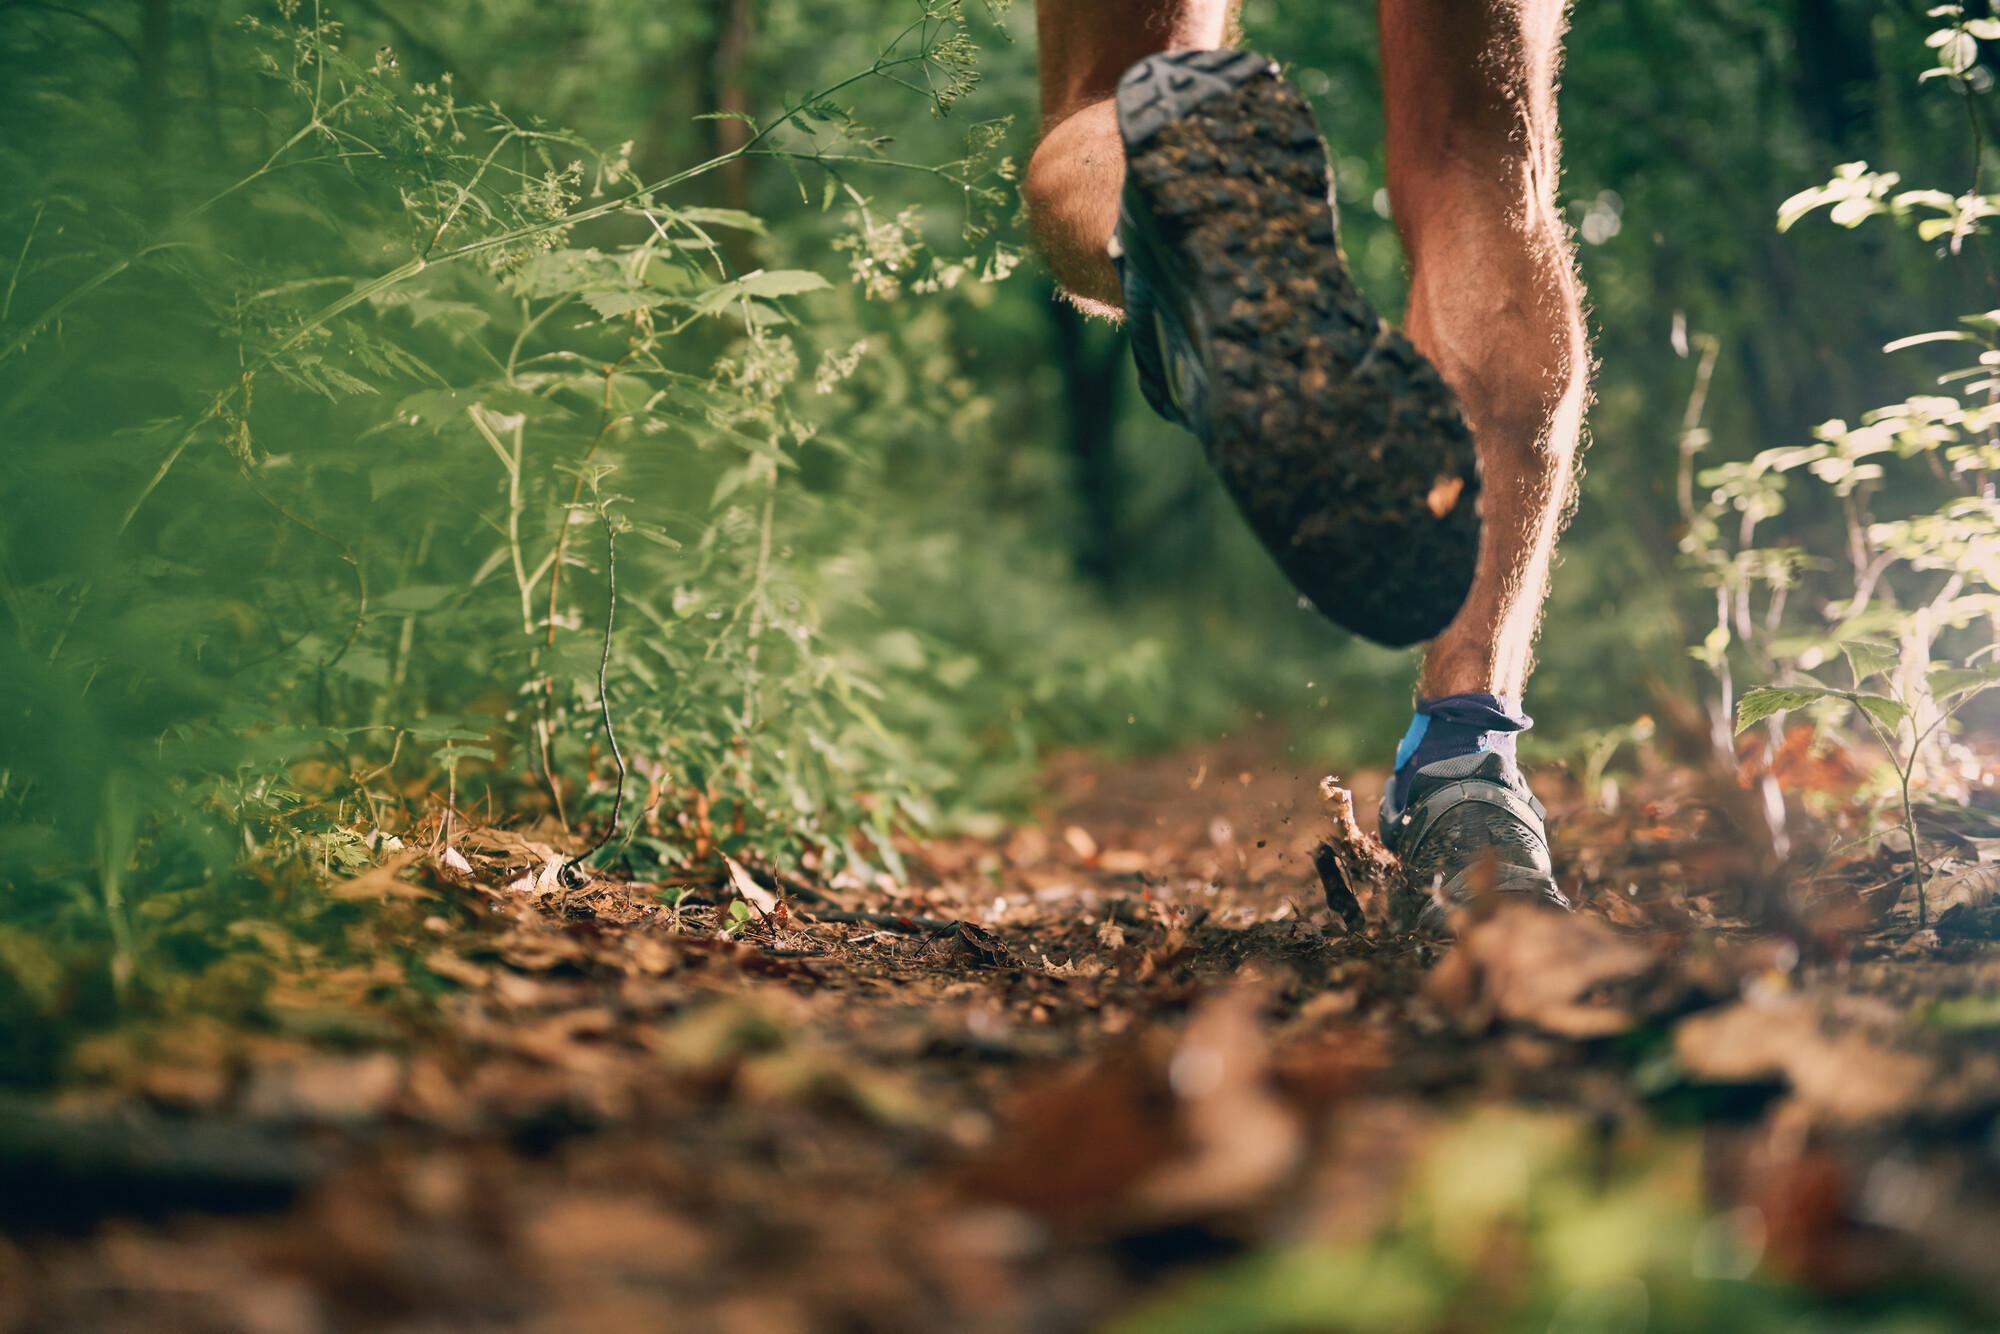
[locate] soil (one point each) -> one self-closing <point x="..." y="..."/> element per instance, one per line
<point x="1105" y="1065"/>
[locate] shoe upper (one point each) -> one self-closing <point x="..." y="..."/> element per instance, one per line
<point x="1466" y="826"/>
<point x="1171" y="375"/>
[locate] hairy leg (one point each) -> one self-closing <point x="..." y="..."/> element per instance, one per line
<point x="1469" y="88"/>
<point x="1079" y="165"/>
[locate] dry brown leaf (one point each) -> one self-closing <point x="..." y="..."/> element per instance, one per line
<point x="1846" y="1077"/>
<point x="324" y="1089"/>
<point x="1563" y="973"/>
<point x="382" y="882"/>
<point x="1241" y="1140"/>
<point x="1081" y="843"/>
<point x="1963" y="903"/>
<point x="451" y="967"/>
<point x="747" y="888"/>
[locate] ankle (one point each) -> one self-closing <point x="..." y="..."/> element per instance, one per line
<point x="1450" y="726"/>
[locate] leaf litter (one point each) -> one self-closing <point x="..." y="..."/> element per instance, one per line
<point x="1118" y="1065"/>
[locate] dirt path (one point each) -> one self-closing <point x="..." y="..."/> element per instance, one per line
<point x="1122" y="1064"/>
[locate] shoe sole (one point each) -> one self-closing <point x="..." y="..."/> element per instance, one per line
<point x="1342" y="446"/>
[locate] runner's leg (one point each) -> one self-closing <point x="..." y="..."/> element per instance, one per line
<point x="1079" y="165"/>
<point x="1470" y="97"/>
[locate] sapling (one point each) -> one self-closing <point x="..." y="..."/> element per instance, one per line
<point x="1901" y="726"/>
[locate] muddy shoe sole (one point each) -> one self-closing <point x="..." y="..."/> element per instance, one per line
<point x="1340" y="443"/>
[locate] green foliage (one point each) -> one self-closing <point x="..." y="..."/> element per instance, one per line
<point x="1509" y="1221"/>
<point x="1928" y="576"/>
<point x="322" y="437"/>
<point x="1912" y="487"/>
<point x="329" y="360"/>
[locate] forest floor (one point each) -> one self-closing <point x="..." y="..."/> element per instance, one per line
<point x="1120" y="1065"/>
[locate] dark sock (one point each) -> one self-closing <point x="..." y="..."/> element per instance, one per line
<point x="1454" y="725"/>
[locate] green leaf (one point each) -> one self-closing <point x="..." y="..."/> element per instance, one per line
<point x="722" y="217"/>
<point x="1869" y="657"/>
<point x="609" y="304"/>
<point x="762" y="283"/>
<point x="1935" y="336"/>
<point x="1891" y="714"/>
<point x="1948" y="683"/>
<point x="1766" y="701"/>
<point x="781" y="282"/>
<point x="416" y="597"/>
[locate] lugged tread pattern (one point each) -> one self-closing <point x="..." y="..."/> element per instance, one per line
<point x="1343" y="447"/>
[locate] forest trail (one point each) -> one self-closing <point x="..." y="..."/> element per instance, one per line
<point x="1121" y="1063"/>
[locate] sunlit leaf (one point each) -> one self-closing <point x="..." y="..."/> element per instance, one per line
<point x="1869" y="657"/>
<point x="1764" y="702"/>
<point x="1891" y="714"/>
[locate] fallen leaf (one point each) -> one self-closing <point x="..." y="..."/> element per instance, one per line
<point x="381" y="882"/>
<point x="747" y="888"/>
<point x="323" y="1089"/>
<point x="1241" y="1140"/>
<point x="1846" y="1076"/>
<point x="1563" y="973"/>
<point x="454" y="969"/>
<point x="1963" y="903"/>
<point x="1081" y="843"/>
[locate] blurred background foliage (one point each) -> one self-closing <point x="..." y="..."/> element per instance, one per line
<point x="339" y="345"/>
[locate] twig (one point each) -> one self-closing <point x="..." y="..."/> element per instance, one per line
<point x="892" y="921"/>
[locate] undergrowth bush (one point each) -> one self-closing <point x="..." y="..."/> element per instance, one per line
<point x="325" y="437"/>
<point x="1892" y="637"/>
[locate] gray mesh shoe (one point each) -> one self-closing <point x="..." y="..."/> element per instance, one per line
<point x="1467" y="826"/>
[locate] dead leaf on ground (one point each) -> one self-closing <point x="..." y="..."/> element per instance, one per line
<point x="1564" y="973"/>
<point x="1150" y="1133"/>
<point x="634" y="1237"/>
<point x="1240" y="1140"/>
<point x="974" y="944"/>
<point x="539" y="951"/>
<point x="1073" y="1145"/>
<point x="745" y="886"/>
<point x="1081" y="843"/>
<point x="1842" y="1074"/>
<point x="382" y="882"/>
<point x="1963" y="903"/>
<point x="323" y="1089"/>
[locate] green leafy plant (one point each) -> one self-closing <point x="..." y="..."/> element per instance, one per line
<point x="1895" y="723"/>
<point x="257" y="407"/>
<point x="1913" y="604"/>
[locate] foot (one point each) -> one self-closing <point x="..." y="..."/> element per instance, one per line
<point x="1467" y="827"/>
<point x="1341" y="444"/>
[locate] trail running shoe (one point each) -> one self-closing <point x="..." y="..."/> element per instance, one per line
<point x="1341" y="444"/>
<point x="1468" y="826"/>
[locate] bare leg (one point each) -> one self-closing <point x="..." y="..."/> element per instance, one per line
<point x="1469" y="87"/>
<point x="1079" y="166"/>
